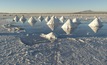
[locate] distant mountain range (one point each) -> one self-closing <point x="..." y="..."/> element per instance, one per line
<point x="90" y="12"/>
<point x="81" y="12"/>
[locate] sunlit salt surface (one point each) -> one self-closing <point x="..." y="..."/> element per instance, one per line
<point x="68" y="26"/>
<point x="53" y="23"/>
<point x="32" y="21"/>
<point x="50" y="36"/>
<point x="95" y="25"/>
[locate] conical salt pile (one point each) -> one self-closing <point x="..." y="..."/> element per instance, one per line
<point x="68" y="26"/>
<point x="16" y="18"/>
<point x="76" y="21"/>
<point x="95" y="25"/>
<point x="53" y="23"/>
<point x="40" y="18"/>
<point x="51" y="36"/>
<point x="47" y="18"/>
<point x="23" y="19"/>
<point x="62" y="19"/>
<point x="32" y="21"/>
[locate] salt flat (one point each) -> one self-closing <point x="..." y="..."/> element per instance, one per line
<point x="77" y="50"/>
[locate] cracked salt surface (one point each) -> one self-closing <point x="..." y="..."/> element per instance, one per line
<point x="66" y="51"/>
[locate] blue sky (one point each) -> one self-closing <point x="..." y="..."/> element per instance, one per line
<point x="51" y="6"/>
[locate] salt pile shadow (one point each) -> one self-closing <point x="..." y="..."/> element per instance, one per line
<point x="33" y="39"/>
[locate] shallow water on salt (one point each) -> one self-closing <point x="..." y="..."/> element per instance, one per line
<point x="83" y="30"/>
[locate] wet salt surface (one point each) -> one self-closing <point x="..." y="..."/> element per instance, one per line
<point x="33" y="32"/>
<point x="82" y="30"/>
<point x="76" y="49"/>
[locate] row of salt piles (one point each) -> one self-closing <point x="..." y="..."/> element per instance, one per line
<point x="68" y="26"/>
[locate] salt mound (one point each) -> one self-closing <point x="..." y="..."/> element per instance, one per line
<point x="53" y="23"/>
<point x="40" y="18"/>
<point x="47" y="18"/>
<point x="32" y="21"/>
<point x="76" y="21"/>
<point x="62" y="19"/>
<point x="23" y="19"/>
<point x="95" y="25"/>
<point x="16" y="18"/>
<point x="51" y="36"/>
<point x="68" y="26"/>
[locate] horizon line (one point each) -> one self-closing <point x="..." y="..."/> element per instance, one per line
<point x="86" y="11"/>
